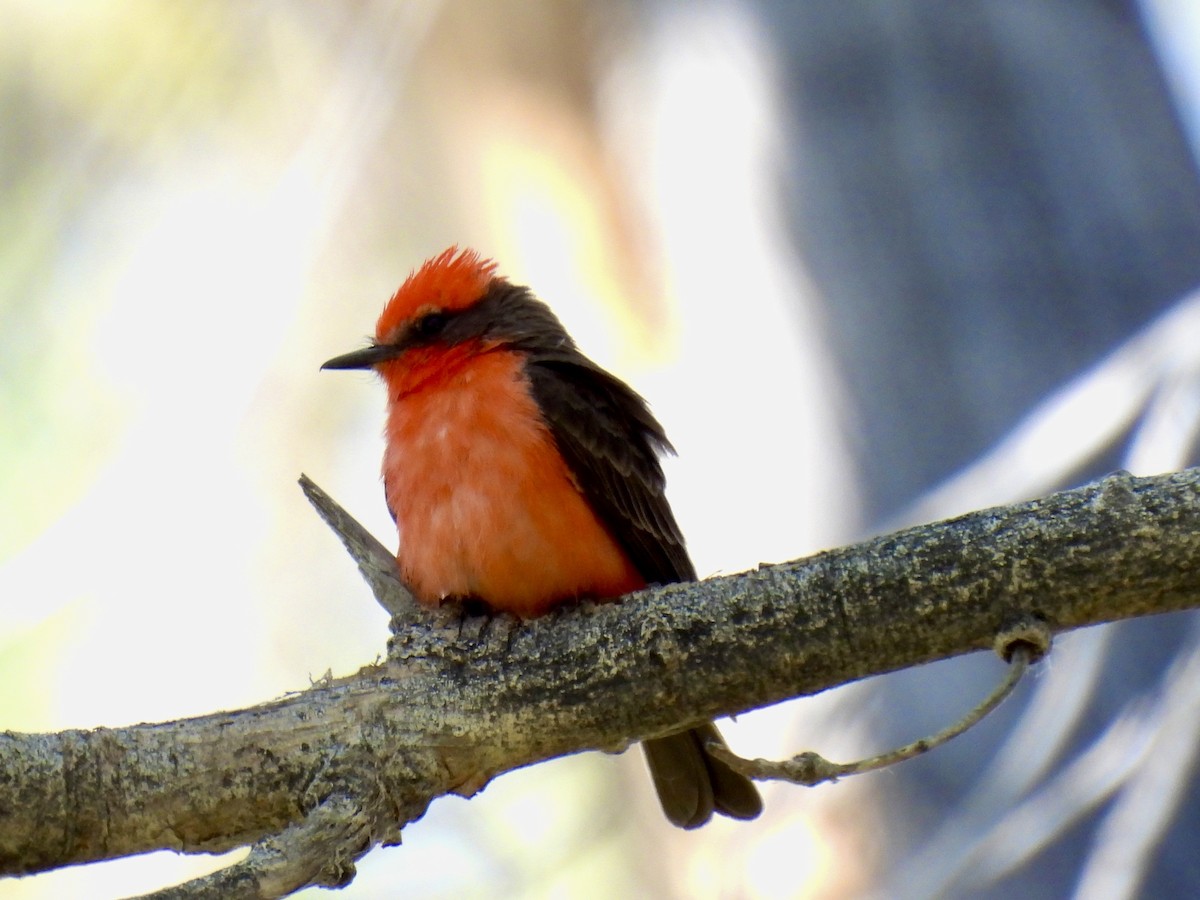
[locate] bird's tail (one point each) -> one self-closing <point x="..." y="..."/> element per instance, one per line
<point x="692" y="784"/>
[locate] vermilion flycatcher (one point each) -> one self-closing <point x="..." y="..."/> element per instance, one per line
<point x="523" y="476"/>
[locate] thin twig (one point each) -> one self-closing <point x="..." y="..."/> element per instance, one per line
<point x="1020" y="646"/>
<point x="375" y="562"/>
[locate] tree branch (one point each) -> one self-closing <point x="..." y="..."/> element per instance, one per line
<point x="316" y="851"/>
<point x="460" y="700"/>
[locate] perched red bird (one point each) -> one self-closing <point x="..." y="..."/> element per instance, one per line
<point x="524" y="476"/>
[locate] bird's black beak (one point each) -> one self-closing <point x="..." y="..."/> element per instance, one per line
<point x="366" y="358"/>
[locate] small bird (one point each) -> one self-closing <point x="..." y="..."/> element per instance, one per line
<point x="523" y="476"/>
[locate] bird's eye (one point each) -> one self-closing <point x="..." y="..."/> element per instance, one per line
<point x="430" y="325"/>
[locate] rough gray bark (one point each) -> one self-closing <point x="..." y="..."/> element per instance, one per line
<point x="320" y="777"/>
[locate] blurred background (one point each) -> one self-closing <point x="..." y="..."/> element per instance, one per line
<point x="872" y="264"/>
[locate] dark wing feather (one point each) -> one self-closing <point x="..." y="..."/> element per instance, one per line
<point x="611" y="444"/>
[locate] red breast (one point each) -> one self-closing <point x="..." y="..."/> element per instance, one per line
<point x="483" y="501"/>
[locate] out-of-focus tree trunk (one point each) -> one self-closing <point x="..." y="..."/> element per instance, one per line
<point x="989" y="196"/>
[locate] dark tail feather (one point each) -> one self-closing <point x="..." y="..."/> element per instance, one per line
<point x="692" y="785"/>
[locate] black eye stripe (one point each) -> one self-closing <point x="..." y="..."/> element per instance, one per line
<point x="430" y="325"/>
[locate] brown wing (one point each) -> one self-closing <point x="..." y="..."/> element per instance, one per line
<point x="611" y="443"/>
